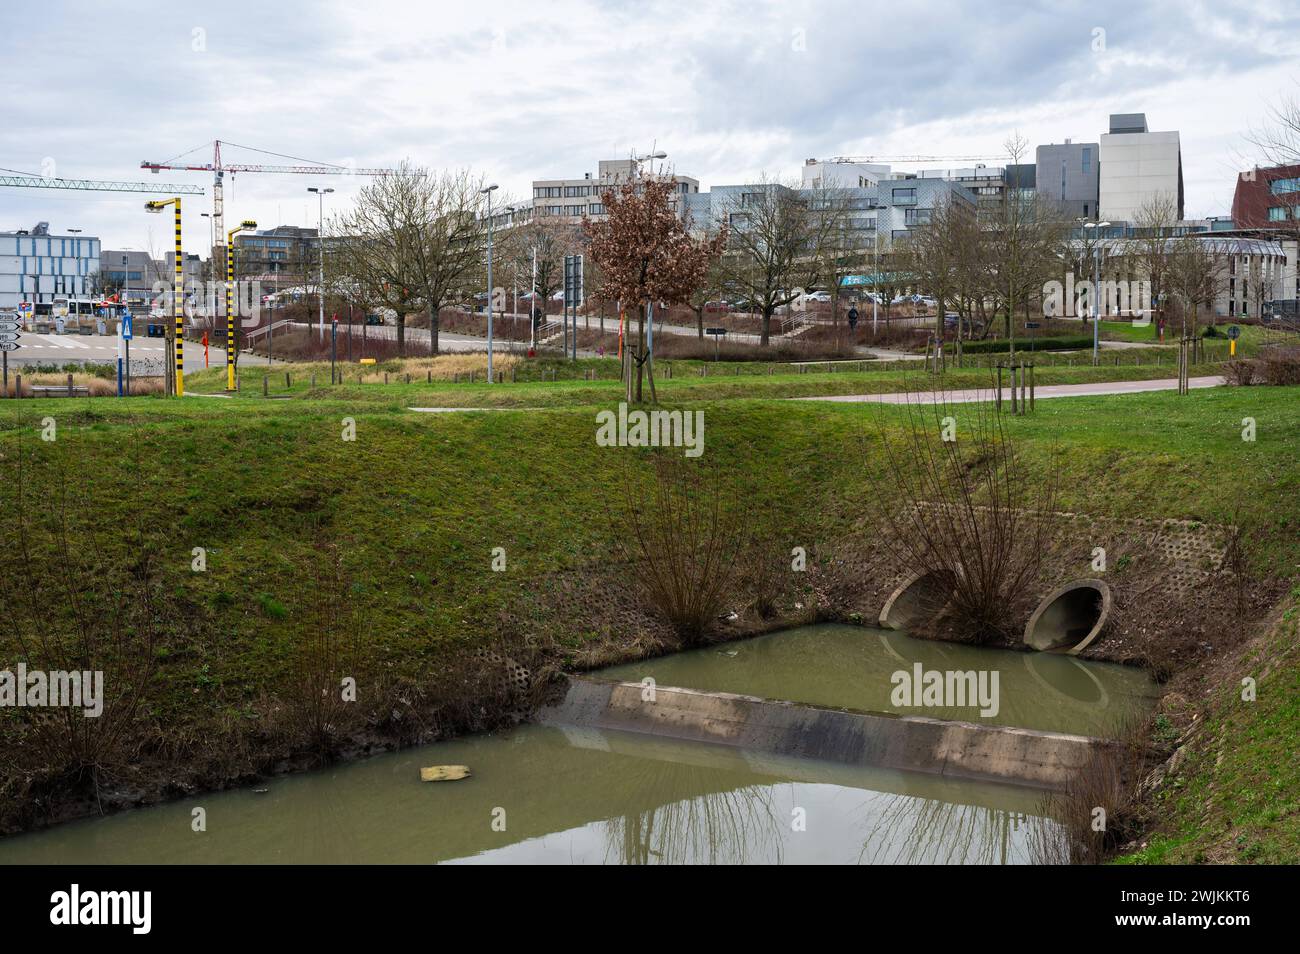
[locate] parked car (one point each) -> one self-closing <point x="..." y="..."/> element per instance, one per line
<point x="819" y="296"/>
<point x="373" y="319"/>
<point x="718" y="307"/>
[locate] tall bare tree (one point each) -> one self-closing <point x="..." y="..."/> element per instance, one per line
<point x="413" y="240"/>
<point x="546" y="242"/>
<point x="1151" y="247"/>
<point x="1026" y="242"/>
<point x="1194" y="276"/>
<point x="773" y="250"/>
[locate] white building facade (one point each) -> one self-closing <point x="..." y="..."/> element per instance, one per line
<point x="1137" y="166"/>
<point x="36" y="266"/>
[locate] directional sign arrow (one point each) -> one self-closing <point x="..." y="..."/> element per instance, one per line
<point x="8" y="324"/>
<point x="6" y="335"/>
<point x="9" y="346"/>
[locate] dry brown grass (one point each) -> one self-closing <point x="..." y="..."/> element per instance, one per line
<point x="98" y="387"/>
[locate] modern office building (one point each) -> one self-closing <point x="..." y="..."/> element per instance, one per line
<point x="1268" y="198"/>
<point x="568" y="200"/>
<point x="37" y="265"/>
<point x="287" y="251"/>
<point x="887" y="211"/>
<point x="842" y="174"/>
<point x="1068" y="174"/>
<point x="1137" y="166"/>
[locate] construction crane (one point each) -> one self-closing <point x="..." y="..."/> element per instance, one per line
<point x="912" y="158"/>
<point x="27" y="180"/>
<point x="219" y="169"/>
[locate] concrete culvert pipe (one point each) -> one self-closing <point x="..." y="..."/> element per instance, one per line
<point x="1069" y="617"/>
<point x="920" y="598"/>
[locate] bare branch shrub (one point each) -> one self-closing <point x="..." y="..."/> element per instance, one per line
<point x="1097" y="811"/>
<point x="682" y="542"/>
<point x="967" y="513"/>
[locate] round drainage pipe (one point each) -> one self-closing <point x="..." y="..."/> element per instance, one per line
<point x="1070" y="617"/>
<point x="920" y="598"/>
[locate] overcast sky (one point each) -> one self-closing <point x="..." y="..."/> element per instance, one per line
<point x="527" y="90"/>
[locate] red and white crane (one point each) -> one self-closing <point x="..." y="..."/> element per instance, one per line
<point x="219" y="169"/>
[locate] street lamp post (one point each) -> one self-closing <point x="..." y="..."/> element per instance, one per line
<point x="178" y="294"/>
<point x="320" y="242"/>
<point x="487" y="191"/>
<point x="231" y="339"/>
<point x="1095" y="297"/>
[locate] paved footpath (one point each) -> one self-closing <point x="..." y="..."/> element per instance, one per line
<point x="1044" y="392"/>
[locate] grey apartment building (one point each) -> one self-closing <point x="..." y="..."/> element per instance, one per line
<point x="883" y="213"/>
<point x="1068" y="174"/>
<point x="568" y="200"/>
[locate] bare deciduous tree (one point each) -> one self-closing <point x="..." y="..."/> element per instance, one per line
<point x="773" y="249"/>
<point x="414" y="239"/>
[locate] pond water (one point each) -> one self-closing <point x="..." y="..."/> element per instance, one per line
<point x="544" y="794"/>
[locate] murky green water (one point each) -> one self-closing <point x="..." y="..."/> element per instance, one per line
<point x="851" y="667"/>
<point x="566" y="795"/>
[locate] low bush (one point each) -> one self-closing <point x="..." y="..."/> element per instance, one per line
<point x="1279" y="365"/>
<point x="1063" y="343"/>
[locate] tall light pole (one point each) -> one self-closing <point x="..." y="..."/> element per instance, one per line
<point x="1095" y="297"/>
<point x="487" y="191"/>
<point x="178" y="294"/>
<point x="231" y="340"/>
<point x="320" y="242"/>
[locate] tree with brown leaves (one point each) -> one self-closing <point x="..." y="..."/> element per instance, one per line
<point x="646" y="256"/>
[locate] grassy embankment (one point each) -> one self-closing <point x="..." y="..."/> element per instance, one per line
<point x="417" y="502"/>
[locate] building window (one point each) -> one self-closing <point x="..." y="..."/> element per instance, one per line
<point x="917" y="217"/>
<point x="904" y="197"/>
<point x="751" y="198"/>
<point x="1277" y="213"/>
<point x="1283" y="186"/>
<point x="899" y="234"/>
<point x="596" y="208"/>
<point x="1087" y="160"/>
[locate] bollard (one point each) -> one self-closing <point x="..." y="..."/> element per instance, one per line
<point x="999" y="399"/>
<point x="287" y="384"/>
<point x="408" y="377"/>
<point x="69" y="384"/>
<point x="385" y="377"/>
<point x="18" y="386"/>
<point x="429" y="376"/>
<point x="313" y="381"/>
<point x="265" y="386"/>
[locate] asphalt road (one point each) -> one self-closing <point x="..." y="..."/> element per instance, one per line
<point x="967" y="395"/>
<point x="147" y="354"/>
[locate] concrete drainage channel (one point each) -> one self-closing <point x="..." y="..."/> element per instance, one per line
<point x="1066" y="621"/>
<point x="960" y="750"/>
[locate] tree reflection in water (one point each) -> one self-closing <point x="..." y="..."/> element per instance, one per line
<point x="907" y="829"/>
<point x="735" y="826"/>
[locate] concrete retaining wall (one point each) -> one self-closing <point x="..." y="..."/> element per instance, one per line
<point x="883" y="740"/>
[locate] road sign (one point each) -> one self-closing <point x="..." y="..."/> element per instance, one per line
<point x="125" y="328"/>
<point x="715" y="331"/>
<point x="1033" y="324"/>
<point x="9" y="346"/>
<point x="7" y="335"/>
<point x="9" y="324"/>
<point x="1234" y="332"/>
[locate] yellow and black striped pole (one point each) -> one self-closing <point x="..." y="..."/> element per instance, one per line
<point x="231" y="341"/>
<point x="230" y="312"/>
<point x="180" y="305"/>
